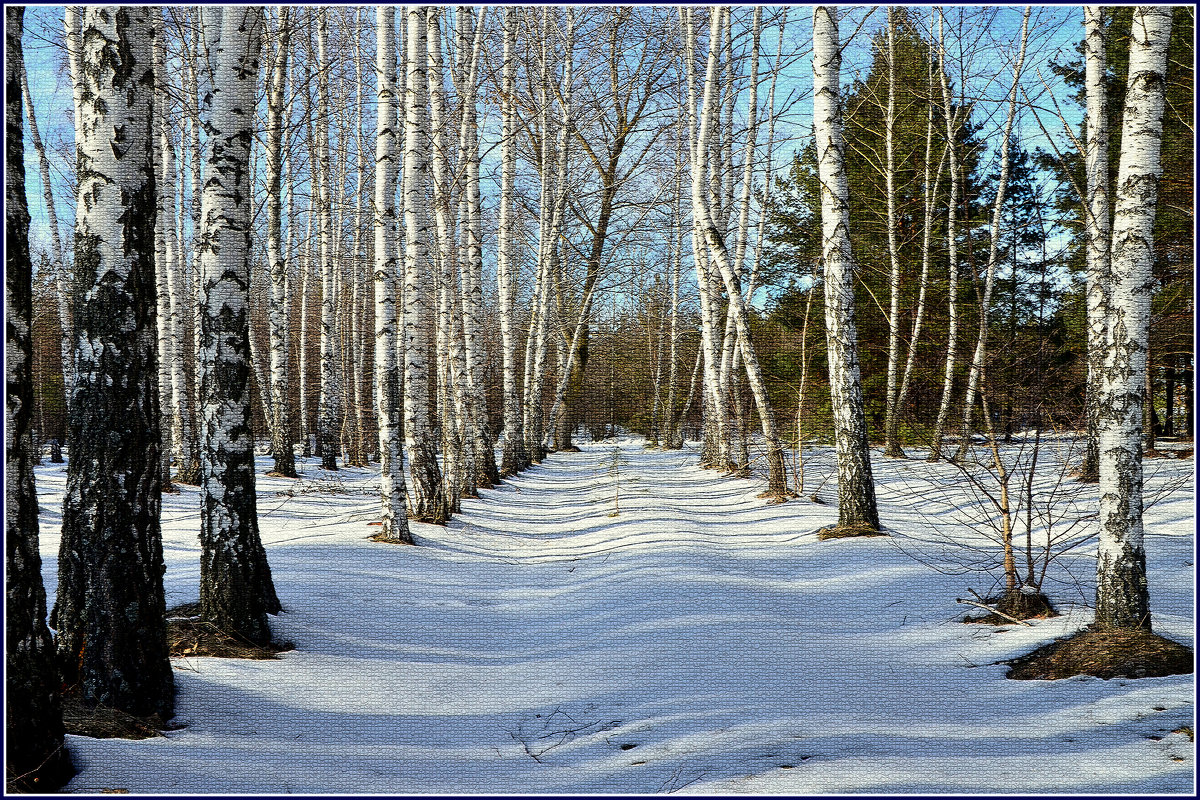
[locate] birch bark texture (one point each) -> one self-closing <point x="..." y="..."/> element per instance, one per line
<point x="387" y="385"/>
<point x="952" y="118"/>
<point x="34" y="747"/>
<point x="1122" y="595"/>
<point x="236" y="590"/>
<point x="110" y="607"/>
<point x="330" y="389"/>
<point x="280" y="427"/>
<point x="426" y="496"/>
<point x="1098" y="224"/>
<point x="856" y="487"/>
<point x="514" y="457"/>
<point x="892" y="447"/>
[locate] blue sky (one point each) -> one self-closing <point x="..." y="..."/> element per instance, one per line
<point x="986" y="58"/>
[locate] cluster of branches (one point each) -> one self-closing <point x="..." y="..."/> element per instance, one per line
<point x="601" y="119"/>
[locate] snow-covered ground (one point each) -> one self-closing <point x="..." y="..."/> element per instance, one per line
<point x="700" y="641"/>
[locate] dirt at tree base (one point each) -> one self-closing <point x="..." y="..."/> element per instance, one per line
<point x="188" y="635"/>
<point x="104" y="722"/>
<point x="1118" y="653"/>
<point x="1018" y="605"/>
<point x="379" y="537"/>
<point x="847" y="532"/>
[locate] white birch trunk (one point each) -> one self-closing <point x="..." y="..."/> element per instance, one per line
<point x="1098" y="225"/>
<point x="387" y="386"/>
<point x="457" y="463"/>
<point x="856" y="488"/>
<point x="471" y="265"/>
<point x="162" y="256"/>
<point x="952" y="120"/>
<point x="330" y="394"/>
<point x="111" y="549"/>
<point x="427" y="499"/>
<point x="891" y="442"/>
<point x="716" y="415"/>
<point x="357" y="367"/>
<point x="777" y="469"/>
<point x="281" y="443"/>
<point x="236" y="591"/>
<point x="1122" y="596"/>
<point x="931" y="191"/>
<point x="515" y="457"/>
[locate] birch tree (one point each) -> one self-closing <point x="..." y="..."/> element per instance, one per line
<point x="1122" y="596"/>
<point x="470" y="44"/>
<point x="857" y="510"/>
<point x="952" y="118"/>
<point x="280" y="427"/>
<point x="163" y="255"/>
<point x="514" y="457"/>
<point x="931" y="181"/>
<point x="426" y="496"/>
<point x="387" y="388"/>
<point x="330" y="393"/>
<point x="716" y="452"/>
<point x="36" y="758"/>
<point x="891" y="441"/>
<point x="236" y="590"/>
<point x="109" y="612"/>
<point x="183" y="435"/>
<point x="1098" y="225"/>
<point x="62" y="272"/>
<point x="777" y="468"/>
<point x="977" y="360"/>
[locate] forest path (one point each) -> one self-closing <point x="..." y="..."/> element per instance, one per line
<point x="613" y="497"/>
<point x="701" y="640"/>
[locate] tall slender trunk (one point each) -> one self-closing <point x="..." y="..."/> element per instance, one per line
<point x="281" y="442"/>
<point x="109" y="612"/>
<point x="62" y="280"/>
<point x="471" y="265"/>
<point x="183" y="434"/>
<point x="716" y="452"/>
<point x="856" y="488"/>
<point x="1122" y="596"/>
<point x="387" y="386"/>
<point x="1098" y="226"/>
<point x="515" y="456"/>
<point x="457" y="461"/>
<point x="426" y="496"/>
<point x="931" y="192"/>
<point x="236" y="590"/>
<point x="891" y="445"/>
<point x="358" y="369"/>
<point x="162" y="255"/>
<point x="36" y="759"/>
<point x="330" y="395"/>
<point x="951" y="116"/>
<point x="777" y="467"/>
<point x="977" y="361"/>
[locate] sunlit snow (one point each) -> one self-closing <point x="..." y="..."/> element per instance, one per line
<point x="700" y="641"/>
